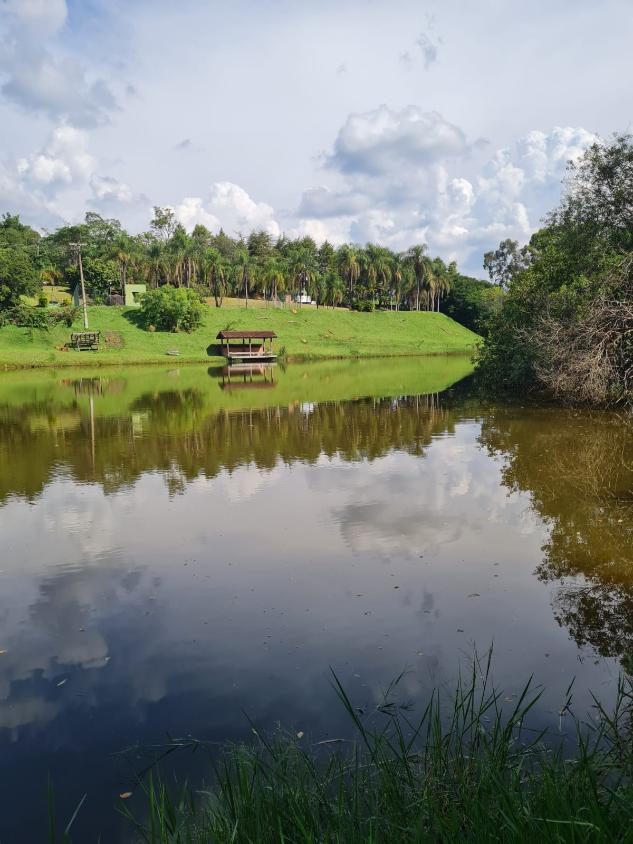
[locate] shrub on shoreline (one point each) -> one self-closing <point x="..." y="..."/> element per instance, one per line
<point x="27" y="316"/>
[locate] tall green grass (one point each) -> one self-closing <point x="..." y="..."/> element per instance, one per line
<point x="472" y="770"/>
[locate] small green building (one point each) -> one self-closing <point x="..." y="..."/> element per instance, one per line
<point x="133" y="293"/>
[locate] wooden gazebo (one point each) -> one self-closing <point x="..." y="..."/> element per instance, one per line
<point x="247" y="345"/>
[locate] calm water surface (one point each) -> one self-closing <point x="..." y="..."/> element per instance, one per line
<point x="181" y="547"/>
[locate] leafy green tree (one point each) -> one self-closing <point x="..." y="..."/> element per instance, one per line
<point x="163" y="224"/>
<point x="19" y="276"/>
<point x="503" y="263"/>
<point x="226" y="245"/>
<point x="595" y="216"/>
<point x="155" y="262"/>
<point x="201" y="236"/>
<point x="326" y="257"/>
<point x="14" y="233"/>
<point x="259" y="244"/>
<point x="20" y="261"/>
<point x="472" y="301"/>
<point x="171" y="309"/>
<point x="101" y="276"/>
<point x="99" y="235"/>
<point x="567" y="319"/>
<point x="399" y="277"/>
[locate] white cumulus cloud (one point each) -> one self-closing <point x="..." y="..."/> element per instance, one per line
<point x="405" y="176"/>
<point x="377" y="141"/>
<point x="107" y="188"/>
<point x="228" y="206"/>
<point x="64" y="159"/>
<point x="38" y="75"/>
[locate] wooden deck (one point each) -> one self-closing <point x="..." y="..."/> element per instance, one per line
<point x="252" y="346"/>
<point x="251" y="357"/>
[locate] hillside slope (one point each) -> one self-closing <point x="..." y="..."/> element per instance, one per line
<point x="303" y="334"/>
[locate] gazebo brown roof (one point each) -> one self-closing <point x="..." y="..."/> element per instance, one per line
<point x="246" y="335"/>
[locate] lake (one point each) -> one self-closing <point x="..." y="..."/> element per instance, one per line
<point x="182" y="550"/>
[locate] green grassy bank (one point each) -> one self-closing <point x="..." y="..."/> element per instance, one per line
<point x="303" y="333"/>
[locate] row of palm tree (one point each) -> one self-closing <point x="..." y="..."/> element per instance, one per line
<point x="351" y="274"/>
<point x="219" y="265"/>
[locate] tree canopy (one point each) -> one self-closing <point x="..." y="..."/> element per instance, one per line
<point x="567" y="321"/>
<point x="216" y="264"/>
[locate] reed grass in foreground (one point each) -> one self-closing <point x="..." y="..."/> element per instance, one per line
<point x="472" y="772"/>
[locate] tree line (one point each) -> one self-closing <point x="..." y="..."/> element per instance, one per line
<point x="566" y="324"/>
<point x="218" y="265"/>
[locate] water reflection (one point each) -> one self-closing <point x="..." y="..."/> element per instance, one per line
<point x="578" y="470"/>
<point x="245" y="376"/>
<point x="173" y="432"/>
<point x="174" y="553"/>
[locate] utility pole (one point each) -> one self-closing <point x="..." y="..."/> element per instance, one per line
<point x="76" y="247"/>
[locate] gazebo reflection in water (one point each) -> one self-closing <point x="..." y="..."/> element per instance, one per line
<point x="245" y="376"/>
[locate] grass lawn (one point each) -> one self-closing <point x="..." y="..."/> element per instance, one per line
<point x="304" y="333"/>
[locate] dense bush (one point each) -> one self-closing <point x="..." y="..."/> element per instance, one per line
<point x="171" y="309"/>
<point x="472" y="302"/>
<point x="27" y="316"/>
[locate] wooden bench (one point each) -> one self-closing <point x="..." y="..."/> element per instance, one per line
<point x="82" y="340"/>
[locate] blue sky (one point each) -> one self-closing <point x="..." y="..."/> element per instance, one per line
<point x="398" y="122"/>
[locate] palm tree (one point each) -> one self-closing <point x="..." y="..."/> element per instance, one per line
<point x="244" y="268"/>
<point x="398" y="274"/>
<point x="155" y="263"/>
<point x="350" y="268"/>
<point x="178" y="250"/>
<point x="274" y="274"/>
<point x="442" y="281"/>
<point x="303" y="269"/>
<point x="51" y="275"/>
<point x="417" y="260"/>
<point x="123" y="248"/>
<point x="378" y="269"/>
<point x="334" y="288"/>
<point x="213" y="269"/>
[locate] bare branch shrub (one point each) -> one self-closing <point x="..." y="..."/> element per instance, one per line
<point x="590" y="359"/>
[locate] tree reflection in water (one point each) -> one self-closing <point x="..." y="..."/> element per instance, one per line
<point x="171" y="432"/>
<point x="577" y="467"/>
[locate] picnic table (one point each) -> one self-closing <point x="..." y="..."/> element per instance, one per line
<point x="82" y="340"/>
